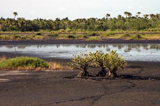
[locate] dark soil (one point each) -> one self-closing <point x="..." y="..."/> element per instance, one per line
<point x="138" y="85"/>
<point x="78" y="41"/>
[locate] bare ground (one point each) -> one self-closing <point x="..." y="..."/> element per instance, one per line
<point x="138" y="85"/>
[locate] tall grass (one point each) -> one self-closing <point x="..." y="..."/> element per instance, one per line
<point x="29" y="63"/>
<point x="23" y="63"/>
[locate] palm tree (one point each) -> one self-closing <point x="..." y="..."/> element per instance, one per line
<point x="126" y="13"/>
<point x="15" y="14"/>
<point x="145" y="16"/>
<point x="108" y="15"/>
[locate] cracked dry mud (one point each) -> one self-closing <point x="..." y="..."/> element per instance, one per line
<point x="137" y="85"/>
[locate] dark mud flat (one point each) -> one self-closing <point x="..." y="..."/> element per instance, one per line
<point x="138" y="85"/>
<point x="78" y="41"/>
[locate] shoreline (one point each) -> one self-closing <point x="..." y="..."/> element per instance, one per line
<point x="77" y="41"/>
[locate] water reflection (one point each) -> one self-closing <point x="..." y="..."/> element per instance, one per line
<point x="131" y="52"/>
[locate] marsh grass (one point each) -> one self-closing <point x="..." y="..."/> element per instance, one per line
<point x="57" y="66"/>
<point x="2" y="59"/>
<point x="26" y="63"/>
<point x="136" y="37"/>
<point x="29" y="63"/>
<point x="93" y="39"/>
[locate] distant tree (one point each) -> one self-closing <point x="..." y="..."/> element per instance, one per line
<point x="128" y="14"/>
<point x="108" y="15"/>
<point x="145" y="16"/>
<point x="15" y="14"/>
<point x="138" y="14"/>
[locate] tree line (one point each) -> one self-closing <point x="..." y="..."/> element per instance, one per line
<point x="127" y="22"/>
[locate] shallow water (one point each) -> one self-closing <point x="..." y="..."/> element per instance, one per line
<point x="130" y="52"/>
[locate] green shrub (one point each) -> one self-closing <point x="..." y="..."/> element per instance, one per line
<point x="23" y="63"/>
<point x="67" y="36"/>
<point x="110" y="62"/>
<point x="82" y="63"/>
<point x="54" y="35"/>
<point x="93" y="39"/>
<point x="98" y="59"/>
<point x="93" y="34"/>
<point x="136" y="37"/>
<point x="81" y="37"/>
<point x="126" y="35"/>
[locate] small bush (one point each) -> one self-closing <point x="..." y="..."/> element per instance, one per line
<point x="81" y="37"/>
<point x="137" y="37"/>
<point x="93" y="34"/>
<point x="67" y="36"/>
<point x="93" y="39"/>
<point x="126" y="35"/>
<point x="24" y="63"/>
<point x="82" y="63"/>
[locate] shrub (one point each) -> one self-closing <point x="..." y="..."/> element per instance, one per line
<point x="81" y="36"/>
<point x="67" y="36"/>
<point x="98" y="59"/>
<point x="81" y="62"/>
<point x="126" y="35"/>
<point x="93" y="39"/>
<point x="137" y="37"/>
<point x="23" y="63"/>
<point x="112" y="63"/>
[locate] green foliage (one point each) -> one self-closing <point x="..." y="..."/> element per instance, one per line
<point x="81" y="37"/>
<point x="110" y="62"/>
<point x="120" y="22"/>
<point x="93" y="39"/>
<point x="136" y="37"/>
<point x="98" y="59"/>
<point x="67" y="36"/>
<point x="126" y="35"/>
<point x="81" y="62"/>
<point x="113" y="62"/>
<point x="24" y="62"/>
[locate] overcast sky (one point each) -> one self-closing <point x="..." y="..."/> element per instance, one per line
<point x="50" y="9"/>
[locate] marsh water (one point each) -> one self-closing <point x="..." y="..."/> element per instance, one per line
<point x="130" y="52"/>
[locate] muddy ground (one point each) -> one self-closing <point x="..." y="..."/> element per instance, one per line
<point x="138" y="85"/>
<point x="78" y="41"/>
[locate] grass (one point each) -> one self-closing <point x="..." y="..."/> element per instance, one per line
<point x="93" y="39"/>
<point x="57" y="66"/>
<point x="150" y="34"/>
<point x="29" y="63"/>
<point x="23" y="63"/>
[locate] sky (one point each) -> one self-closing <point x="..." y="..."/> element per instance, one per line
<point x="73" y="9"/>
